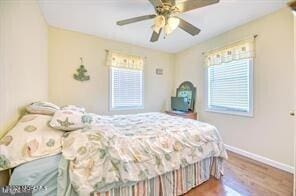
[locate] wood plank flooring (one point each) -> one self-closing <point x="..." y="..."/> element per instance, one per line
<point x="246" y="177"/>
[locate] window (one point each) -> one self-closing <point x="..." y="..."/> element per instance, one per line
<point x="126" y="89"/>
<point x="230" y="87"/>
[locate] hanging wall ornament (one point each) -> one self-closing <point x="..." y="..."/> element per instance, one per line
<point x="81" y="73"/>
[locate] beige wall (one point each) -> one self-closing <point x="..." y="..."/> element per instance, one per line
<point x="23" y="62"/>
<point x="270" y="132"/>
<point x="65" y="49"/>
<point x="294" y="14"/>
<point x="23" y="59"/>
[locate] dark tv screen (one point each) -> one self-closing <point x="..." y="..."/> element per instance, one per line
<point x="179" y="104"/>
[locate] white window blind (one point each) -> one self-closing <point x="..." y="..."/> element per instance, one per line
<point x="126" y="88"/>
<point x="229" y="87"/>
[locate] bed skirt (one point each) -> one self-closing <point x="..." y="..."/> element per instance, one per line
<point x="172" y="183"/>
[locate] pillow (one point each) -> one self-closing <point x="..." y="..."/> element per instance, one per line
<point x="30" y="139"/>
<point x="74" y="108"/>
<point x="42" y="107"/>
<point x="67" y="120"/>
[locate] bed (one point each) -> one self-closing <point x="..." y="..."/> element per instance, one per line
<point x="143" y="154"/>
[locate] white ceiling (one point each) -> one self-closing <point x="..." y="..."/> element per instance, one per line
<point x="98" y="17"/>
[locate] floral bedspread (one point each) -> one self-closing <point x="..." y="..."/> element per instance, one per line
<point x="131" y="148"/>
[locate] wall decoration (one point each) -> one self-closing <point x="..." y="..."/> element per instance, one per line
<point x="81" y="73"/>
<point x="159" y="71"/>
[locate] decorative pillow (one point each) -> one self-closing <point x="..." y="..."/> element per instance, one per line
<point x="68" y="120"/>
<point x="74" y="108"/>
<point x="42" y="107"/>
<point x="30" y="139"/>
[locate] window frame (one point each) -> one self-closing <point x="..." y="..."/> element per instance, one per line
<point x="250" y="113"/>
<point x="128" y="107"/>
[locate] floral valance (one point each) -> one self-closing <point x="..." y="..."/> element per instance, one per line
<point x="240" y="50"/>
<point x="115" y="59"/>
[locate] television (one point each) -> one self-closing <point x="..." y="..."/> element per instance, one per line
<point x="179" y="104"/>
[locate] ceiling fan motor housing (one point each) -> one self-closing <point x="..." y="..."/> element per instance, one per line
<point x="167" y="10"/>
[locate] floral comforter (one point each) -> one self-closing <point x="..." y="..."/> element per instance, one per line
<point x="131" y="148"/>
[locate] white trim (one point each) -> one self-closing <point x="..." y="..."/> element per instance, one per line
<point x="261" y="159"/>
<point x="235" y="113"/>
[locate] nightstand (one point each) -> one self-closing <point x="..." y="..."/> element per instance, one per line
<point x="190" y="115"/>
<point x="4" y="177"/>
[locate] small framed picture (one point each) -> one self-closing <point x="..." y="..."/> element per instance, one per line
<point x="159" y="71"/>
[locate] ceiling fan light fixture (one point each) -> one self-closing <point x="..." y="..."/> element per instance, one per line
<point x="166" y="16"/>
<point x="159" y="23"/>
<point x="171" y="25"/>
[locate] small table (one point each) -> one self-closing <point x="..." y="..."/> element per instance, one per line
<point x="190" y="115"/>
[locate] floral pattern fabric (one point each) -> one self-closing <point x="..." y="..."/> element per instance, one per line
<point x="116" y="150"/>
<point x="69" y="120"/>
<point x="74" y="108"/>
<point x="241" y="50"/>
<point x="118" y="60"/>
<point x="176" y="182"/>
<point x="30" y="139"/>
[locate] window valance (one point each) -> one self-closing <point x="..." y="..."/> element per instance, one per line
<point x="240" y="50"/>
<point x="119" y="60"/>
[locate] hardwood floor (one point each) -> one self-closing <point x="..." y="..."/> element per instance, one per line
<point x="246" y="177"/>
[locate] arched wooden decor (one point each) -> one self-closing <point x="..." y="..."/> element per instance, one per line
<point x="187" y="90"/>
<point x="292" y="5"/>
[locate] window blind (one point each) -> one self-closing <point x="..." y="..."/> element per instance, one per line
<point x="126" y="88"/>
<point x="229" y="86"/>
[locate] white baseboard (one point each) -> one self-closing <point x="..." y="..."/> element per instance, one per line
<point x="261" y="159"/>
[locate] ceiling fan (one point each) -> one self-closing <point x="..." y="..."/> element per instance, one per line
<point x="167" y="16"/>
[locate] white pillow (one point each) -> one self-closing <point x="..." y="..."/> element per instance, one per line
<point x="73" y="108"/>
<point x="30" y="139"/>
<point x="67" y="120"/>
<point x="42" y="107"/>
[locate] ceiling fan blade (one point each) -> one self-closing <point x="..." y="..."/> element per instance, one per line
<point x="155" y="36"/>
<point x="194" y="4"/>
<point x="156" y="3"/>
<point x="189" y="28"/>
<point x="136" y="19"/>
